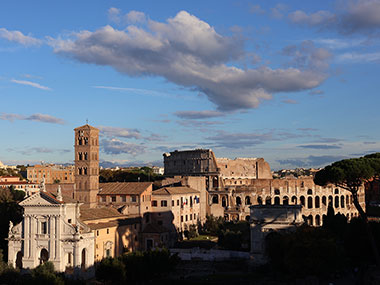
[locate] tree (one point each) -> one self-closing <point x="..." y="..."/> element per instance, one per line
<point x="350" y="174"/>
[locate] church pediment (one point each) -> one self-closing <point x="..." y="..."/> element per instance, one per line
<point x="40" y="199"/>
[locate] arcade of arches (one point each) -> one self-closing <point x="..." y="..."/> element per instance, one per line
<point x="235" y="201"/>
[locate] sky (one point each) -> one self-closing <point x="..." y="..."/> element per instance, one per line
<point x="294" y="82"/>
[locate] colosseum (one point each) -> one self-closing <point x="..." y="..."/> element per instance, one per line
<point x="233" y="185"/>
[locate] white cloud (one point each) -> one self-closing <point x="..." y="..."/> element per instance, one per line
<point x="319" y="18"/>
<point x="18" y="37"/>
<point x="114" y="14"/>
<point x="44" y="118"/>
<point x="359" y="57"/>
<point x="189" y="52"/>
<point x="30" y="83"/>
<point x="119" y="132"/>
<point x="135" y="17"/>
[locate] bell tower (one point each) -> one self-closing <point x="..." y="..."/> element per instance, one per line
<point x="86" y="148"/>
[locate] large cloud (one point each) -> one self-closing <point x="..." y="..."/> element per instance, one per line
<point x="189" y="52"/>
<point x="354" y="16"/>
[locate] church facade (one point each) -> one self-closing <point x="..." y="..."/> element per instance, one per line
<point x="51" y="231"/>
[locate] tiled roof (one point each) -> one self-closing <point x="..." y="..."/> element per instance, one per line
<point x="175" y="190"/>
<point x="103" y="225"/>
<point x="87" y="126"/>
<point x="87" y="214"/>
<point x="120" y="188"/>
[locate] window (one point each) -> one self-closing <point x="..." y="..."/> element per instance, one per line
<point x="85" y="156"/>
<point x="164" y="203"/>
<point x="309" y="192"/>
<point x="113" y="198"/>
<point x="134" y="199"/>
<point x="86" y="141"/>
<point x="69" y="221"/>
<point x="276" y="192"/>
<point x="108" y="231"/>
<point x="172" y="203"/>
<point x="181" y="219"/>
<point x="186" y="218"/>
<point x="108" y="253"/>
<point x="97" y="232"/>
<point x="154" y="203"/>
<point x="85" y="170"/>
<point x="80" y="170"/>
<point x="80" y="156"/>
<point x="104" y="198"/>
<point x="123" y="198"/>
<point x="43" y="227"/>
<point x="191" y="217"/>
<point x="177" y="202"/>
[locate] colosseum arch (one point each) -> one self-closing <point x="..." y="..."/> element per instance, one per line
<point x="268" y="200"/>
<point x="324" y="201"/>
<point x="330" y="200"/>
<point x="277" y="200"/>
<point x="336" y="202"/>
<point x="317" y="220"/>
<point x="294" y="200"/>
<point x="302" y="200"/>
<point x="285" y="200"/>
<point x="342" y="201"/>
<point x="316" y="201"/>
<point x="310" y="220"/>
<point x="259" y="200"/>
<point x="238" y="201"/>
<point x="248" y="200"/>
<point x="310" y="202"/>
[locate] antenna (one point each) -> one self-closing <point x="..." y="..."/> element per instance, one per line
<point x="86" y="121"/>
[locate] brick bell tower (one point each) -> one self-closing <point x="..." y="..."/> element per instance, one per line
<point x="86" y="165"/>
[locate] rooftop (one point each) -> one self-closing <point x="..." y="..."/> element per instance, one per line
<point x="123" y="188"/>
<point x="87" y="214"/>
<point x="175" y="191"/>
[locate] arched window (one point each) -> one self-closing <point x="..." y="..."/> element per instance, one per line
<point x="83" y="263"/>
<point x="215" y="199"/>
<point x="317" y="220"/>
<point x="238" y="201"/>
<point x="276" y="192"/>
<point x="224" y="202"/>
<point x="302" y="199"/>
<point x="310" y="202"/>
<point x="336" y="204"/>
<point x="309" y="192"/>
<point x="310" y="220"/>
<point x="294" y="200"/>
<point x="330" y="200"/>
<point x="342" y="201"/>
<point x="44" y="256"/>
<point x="285" y="200"/>
<point x="336" y="191"/>
<point x="268" y="201"/>
<point x="19" y="256"/>
<point x="317" y="202"/>
<point x="324" y="202"/>
<point x="277" y="200"/>
<point x="248" y="200"/>
<point x="259" y="200"/>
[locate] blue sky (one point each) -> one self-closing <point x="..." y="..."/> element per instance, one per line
<point x="295" y="82"/>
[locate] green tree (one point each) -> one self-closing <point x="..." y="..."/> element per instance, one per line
<point x="350" y="174"/>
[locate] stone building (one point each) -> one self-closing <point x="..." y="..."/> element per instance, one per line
<point x="50" y="173"/>
<point x="236" y="184"/>
<point x="51" y="230"/>
<point x="132" y="198"/>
